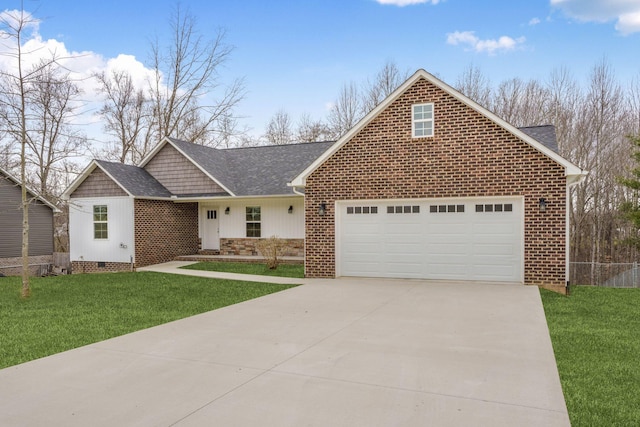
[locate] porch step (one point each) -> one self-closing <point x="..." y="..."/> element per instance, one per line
<point x="208" y="252"/>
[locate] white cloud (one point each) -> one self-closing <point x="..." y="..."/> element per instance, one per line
<point x="626" y="13"/>
<point x="534" y="21"/>
<point x="628" y="23"/>
<point x="491" y="46"/>
<point x="81" y="66"/>
<point x="402" y="3"/>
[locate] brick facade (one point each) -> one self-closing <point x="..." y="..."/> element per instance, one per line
<point x="247" y="247"/>
<point x="164" y="230"/>
<point x="468" y="156"/>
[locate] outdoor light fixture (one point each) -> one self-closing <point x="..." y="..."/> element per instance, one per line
<point x="290" y="209"/>
<point x="227" y="210"/>
<point x="542" y="203"/>
<point x="322" y="209"/>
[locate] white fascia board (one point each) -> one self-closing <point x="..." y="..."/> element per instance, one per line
<point x="167" y="140"/>
<point x="114" y="180"/>
<point x="79" y="179"/>
<point x="226" y="198"/>
<point x="153" y="152"/>
<point x="85" y="174"/>
<point x="301" y="179"/>
<point x="570" y="168"/>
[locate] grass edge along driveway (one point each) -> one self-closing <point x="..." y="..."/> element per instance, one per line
<point x="283" y="270"/>
<point x="596" y="340"/>
<point x="67" y="312"/>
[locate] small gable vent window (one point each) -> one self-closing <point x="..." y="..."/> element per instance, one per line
<point x="422" y="120"/>
<point x="253" y="221"/>
<point x="100" y="223"/>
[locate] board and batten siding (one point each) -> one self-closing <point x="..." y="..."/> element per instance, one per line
<point x="40" y="223"/>
<point x="275" y="219"/>
<point x="178" y="175"/>
<point x="83" y="245"/>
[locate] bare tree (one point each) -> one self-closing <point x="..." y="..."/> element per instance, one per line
<point x="186" y="79"/>
<point x="127" y="117"/>
<point x="14" y="93"/>
<point x="634" y="104"/>
<point x="382" y="85"/>
<point x="310" y="130"/>
<point x="279" y="130"/>
<point x="475" y="85"/>
<point x="346" y="111"/>
<point x="52" y="142"/>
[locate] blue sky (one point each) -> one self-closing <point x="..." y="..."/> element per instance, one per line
<point x="296" y="55"/>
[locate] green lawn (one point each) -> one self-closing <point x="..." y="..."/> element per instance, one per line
<point x="283" y="270"/>
<point x="596" y="339"/>
<point x="66" y="312"/>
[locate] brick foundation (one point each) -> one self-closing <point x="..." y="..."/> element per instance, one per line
<point x="247" y="247"/>
<point x="468" y="156"/>
<point x="79" y="267"/>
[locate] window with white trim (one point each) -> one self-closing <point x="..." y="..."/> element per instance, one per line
<point x="253" y="221"/>
<point x="100" y="222"/>
<point x="422" y="120"/>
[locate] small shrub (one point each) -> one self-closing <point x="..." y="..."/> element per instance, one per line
<point x="271" y="249"/>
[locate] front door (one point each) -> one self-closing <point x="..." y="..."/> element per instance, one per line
<point x="210" y="229"/>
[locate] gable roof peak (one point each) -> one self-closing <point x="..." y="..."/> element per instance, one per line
<point x="571" y="170"/>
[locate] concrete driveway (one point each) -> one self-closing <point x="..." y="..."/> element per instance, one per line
<point x="345" y="352"/>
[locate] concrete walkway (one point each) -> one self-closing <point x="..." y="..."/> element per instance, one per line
<point x="173" y="267"/>
<point x="344" y="352"/>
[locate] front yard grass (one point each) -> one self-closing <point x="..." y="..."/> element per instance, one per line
<point x="66" y="312"/>
<point x="283" y="270"/>
<point x="596" y="339"/>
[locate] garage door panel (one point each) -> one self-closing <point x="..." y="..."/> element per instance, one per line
<point x="495" y="272"/>
<point x="448" y="249"/>
<point x="417" y="242"/>
<point x="494" y="249"/>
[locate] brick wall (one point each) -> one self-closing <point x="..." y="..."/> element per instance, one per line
<point x="242" y="246"/>
<point x="164" y="230"/>
<point x="468" y="156"/>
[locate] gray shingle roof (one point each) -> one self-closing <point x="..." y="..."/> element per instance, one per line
<point x="254" y="171"/>
<point x="135" y="180"/>
<point x="545" y="134"/>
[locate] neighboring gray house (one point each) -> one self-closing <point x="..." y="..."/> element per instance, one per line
<point x="40" y="227"/>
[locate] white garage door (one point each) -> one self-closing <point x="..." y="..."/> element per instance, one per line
<point x="470" y="239"/>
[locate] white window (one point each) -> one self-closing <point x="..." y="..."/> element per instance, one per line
<point x="253" y="221"/>
<point x="100" y="223"/>
<point x="422" y="120"/>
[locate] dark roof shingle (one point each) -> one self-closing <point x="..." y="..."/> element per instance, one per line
<point x="135" y="180"/>
<point x="254" y="171"/>
<point x="546" y="135"/>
